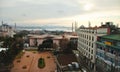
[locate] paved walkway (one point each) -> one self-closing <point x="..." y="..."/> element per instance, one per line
<point x="31" y="62"/>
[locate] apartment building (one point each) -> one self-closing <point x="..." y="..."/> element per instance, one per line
<point x="87" y="37"/>
<point x="108" y="53"/>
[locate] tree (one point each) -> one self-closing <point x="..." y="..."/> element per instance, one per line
<point x="15" y="45"/>
<point x="72" y="45"/>
<point x="63" y="43"/>
<point x="55" y="46"/>
<point x="7" y="42"/>
<point x="40" y="47"/>
<point x="48" y="43"/>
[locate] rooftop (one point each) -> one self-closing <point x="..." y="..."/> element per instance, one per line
<point x="51" y="36"/>
<point x="113" y="37"/>
<point x="66" y="59"/>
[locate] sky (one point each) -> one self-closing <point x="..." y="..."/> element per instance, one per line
<point x="59" y="12"/>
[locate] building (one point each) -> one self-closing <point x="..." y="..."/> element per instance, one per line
<point x="108" y="53"/>
<point x="35" y="40"/>
<point x="67" y="63"/>
<point x="6" y="30"/>
<point x="87" y="37"/>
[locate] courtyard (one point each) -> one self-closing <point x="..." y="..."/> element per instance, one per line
<point x="29" y="62"/>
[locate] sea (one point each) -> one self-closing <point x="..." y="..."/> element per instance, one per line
<point x="48" y="28"/>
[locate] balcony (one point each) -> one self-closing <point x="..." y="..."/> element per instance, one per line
<point x="109" y="62"/>
<point x="110" y="55"/>
<point x="119" y="58"/>
<point x="113" y="47"/>
<point x="100" y="43"/>
<point x="101" y="51"/>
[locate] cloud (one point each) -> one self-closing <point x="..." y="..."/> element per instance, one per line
<point x="51" y="10"/>
<point x="57" y="11"/>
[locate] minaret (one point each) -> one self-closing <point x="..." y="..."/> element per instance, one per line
<point x="89" y="24"/>
<point x="2" y="22"/>
<point x="15" y="27"/>
<point x="117" y="25"/>
<point x="75" y="25"/>
<point x="72" y="27"/>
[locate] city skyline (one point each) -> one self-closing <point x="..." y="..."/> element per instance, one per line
<point x="59" y="12"/>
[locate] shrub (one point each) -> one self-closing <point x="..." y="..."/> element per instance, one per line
<point x="48" y="57"/>
<point x="27" y="56"/>
<point x="41" y="63"/>
<point x="24" y="67"/>
<point x="18" y="61"/>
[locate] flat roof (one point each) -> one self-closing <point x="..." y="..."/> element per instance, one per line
<point x="113" y="37"/>
<point x="65" y="59"/>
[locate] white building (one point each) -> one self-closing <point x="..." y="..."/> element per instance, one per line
<point x="87" y="38"/>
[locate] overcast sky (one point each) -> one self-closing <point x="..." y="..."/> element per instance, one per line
<point x="59" y="12"/>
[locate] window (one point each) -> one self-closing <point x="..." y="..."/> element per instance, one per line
<point x="112" y="51"/>
<point x="91" y="51"/>
<point x="91" y="57"/>
<point x="92" y="45"/>
<point x="89" y="43"/>
<point x="89" y="37"/>
<point x="118" y="54"/>
<point x="87" y="48"/>
<point x="92" y="38"/>
<point x="101" y="48"/>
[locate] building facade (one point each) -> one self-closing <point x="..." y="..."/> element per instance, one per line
<point x="108" y="53"/>
<point x="87" y="37"/>
<point x="87" y="44"/>
<point x="35" y="40"/>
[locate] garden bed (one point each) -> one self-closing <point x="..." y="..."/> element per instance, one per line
<point x="41" y="63"/>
